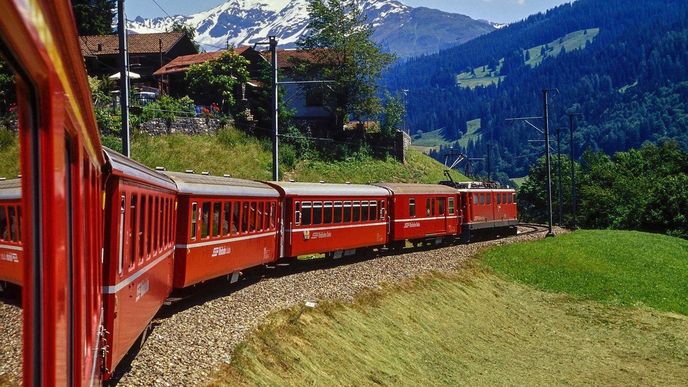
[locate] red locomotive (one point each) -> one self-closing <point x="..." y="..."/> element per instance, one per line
<point x="98" y="241"/>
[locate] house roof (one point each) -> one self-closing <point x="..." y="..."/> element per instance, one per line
<point x="94" y="45"/>
<point x="182" y="63"/>
<point x="288" y="58"/>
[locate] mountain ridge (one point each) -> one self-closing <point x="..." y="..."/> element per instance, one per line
<point x="401" y="29"/>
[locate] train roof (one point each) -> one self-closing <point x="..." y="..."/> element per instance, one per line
<point x="417" y="189"/>
<point x="328" y="189"/>
<point x="123" y="166"/>
<point x="192" y="184"/>
<point x="10" y="189"/>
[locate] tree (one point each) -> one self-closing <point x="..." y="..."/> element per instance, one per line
<point x="189" y="31"/>
<point x="339" y="39"/>
<point x="393" y="114"/>
<point x="94" y="17"/>
<point x="217" y="81"/>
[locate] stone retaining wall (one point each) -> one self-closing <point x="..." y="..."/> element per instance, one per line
<point x="183" y="125"/>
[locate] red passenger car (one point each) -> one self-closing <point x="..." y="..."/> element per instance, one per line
<point x="487" y="210"/>
<point x="422" y="212"/>
<point x="224" y="225"/>
<point x="139" y="225"/>
<point x="61" y="193"/>
<point x="332" y="218"/>
<point x="11" y="251"/>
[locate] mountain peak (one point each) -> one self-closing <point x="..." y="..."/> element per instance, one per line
<point x="401" y="29"/>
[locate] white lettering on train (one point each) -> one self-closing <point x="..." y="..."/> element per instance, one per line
<point x="321" y="235"/>
<point x="9" y="257"/>
<point x="221" y="250"/>
<point x="142" y="289"/>
<point x="412" y="225"/>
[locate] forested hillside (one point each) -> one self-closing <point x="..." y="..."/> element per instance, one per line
<point x="623" y="64"/>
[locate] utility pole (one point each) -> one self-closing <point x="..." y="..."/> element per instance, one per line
<point x="545" y="97"/>
<point x="123" y="77"/>
<point x="559" y="200"/>
<point x="573" y="167"/>
<point x="275" y="110"/>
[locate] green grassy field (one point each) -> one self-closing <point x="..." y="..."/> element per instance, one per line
<point x="473" y="132"/>
<point x="519" y="181"/>
<point x="618" y="267"/>
<point x="479" y="326"/>
<point x="9" y="154"/>
<point x="433" y="139"/>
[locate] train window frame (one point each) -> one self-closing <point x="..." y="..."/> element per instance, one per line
<point x="338" y="214"/>
<point x="346" y="212"/>
<point x="488" y="198"/>
<point x="383" y="210"/>
<point x="441" y="206"/>
<point x="142" y="227"/>
<point x="244" y="216"/>
<point x="235" y="227"/>
<point x="122" y="232"/>
<point x="327" y="213"/>
<point x="206" y="207"/>
<point x="481" y="199"/>
<point x="150" y="230"/>
<point x="4" y="220"/>
<point x="356" y="212"/>
<point x="133" y="229"/>
<point x="297" y="213"/>
<point x="317" y="213"/>
<point x="194" y="221"/>
<point x="365" y="211"/>
<point x="217" y="219"/>
<point x="412" y="207"/>
<point x="513" y="197"/>
<point x="433" y="207"/>
<point x="374" y="215"/>
<point x="226" y="217"/>
<point x="156" y="223"/>
<point x="498" y="198"/>
<point x="259" y="216"/>
<point x="428" y="208"/>
<point x="451" y="205"/>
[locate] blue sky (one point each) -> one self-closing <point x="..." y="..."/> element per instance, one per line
<point x="501" y="11"/>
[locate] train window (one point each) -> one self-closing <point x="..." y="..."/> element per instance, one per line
<point x="317" y="212"/>
<point x="226" y="218"/>
<point x="373" y="211"/>
<point x="347" y="212"/>
<point x="428" y="210"/>
<point x="217" y="218"/>
<point x="244" y="217"/>
<point x="412" y="207"/>
<point x="259" y="216"/>
<point x="194" y="216"/>
<point x="365" y="211"/>
<point x="488" y="198"/>
<point x="122" y="236"/>
<point x="252" y="217"/>
<point x="155" y="220"/>
<point x="272" y="216"/>
<point x="12" y="217"/>
<point x="440" y="202"/>
<point x="357" y="211"/>
<point x="482" y="198"/>
<point x="499" y="198"/>
<point x="513" y="198"/>
<point x="434" y="206"/>
<point x="150" y="235"/>
<point x="383" y="210"/>
<point x="236" y="217"/>
<point x="142" y="228"/>
<point x="19" y="220"/>
<point x="133" y="233"/>
<point x="327" y="213"/>
<point x="4" y="227"/>
<point x="205" y="220"/>
<point x="475" y="198"/>
<point x="337" y="212"/>
<point x="297" y="213"/>
<point x="451" y="206"/>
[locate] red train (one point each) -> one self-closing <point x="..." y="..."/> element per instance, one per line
<point x="98" y="241"/>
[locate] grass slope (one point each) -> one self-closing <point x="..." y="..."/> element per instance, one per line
<point x="484" y="76"/>
<point x="619" y="267"/>
<point x="476" y="328"/>
<point x="468" y="329"/>
<point x="9" y="154"/>
<point x="473" y="132"/>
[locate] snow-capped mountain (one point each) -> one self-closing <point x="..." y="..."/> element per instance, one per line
<point x="404" y="30"/>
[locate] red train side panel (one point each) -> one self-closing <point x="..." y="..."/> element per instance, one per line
<point x="332" y="218"/>
<point x="140" y="207"/>
<point x="224" y="225"/>
<point x="11" y="250"/>
<point x="422" y="211"/>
